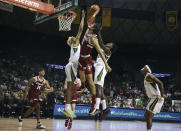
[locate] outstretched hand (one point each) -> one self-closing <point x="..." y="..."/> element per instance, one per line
<point x="108" y="68"/>
<point x="164" y="96"/>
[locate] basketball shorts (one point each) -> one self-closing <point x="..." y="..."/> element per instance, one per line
<point x="33" y="102"/>
<point x="85" y="64"/>
<point x="99" y="74"/>
<point x="71" y="72"/>
<point x="155" y="104"/>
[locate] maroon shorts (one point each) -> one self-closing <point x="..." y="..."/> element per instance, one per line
<point x="85" y="64"/>
<point x="33" y="101"/>
<point x="74" y="100"/>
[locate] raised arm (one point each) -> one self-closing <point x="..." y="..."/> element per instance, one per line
<point x="81" y="27"/>
<point x="27" y="88"/>
<point x="157" y="81"/>
<point x="91" y="20"/>
<point x="48" y="88"/>
<point x="95" y="42"/>
<point x="106" y="50"/>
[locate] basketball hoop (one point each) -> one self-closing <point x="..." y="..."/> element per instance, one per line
<point x="66" y="20"/>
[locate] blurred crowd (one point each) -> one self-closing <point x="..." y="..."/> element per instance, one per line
<point x="120" y="91"/>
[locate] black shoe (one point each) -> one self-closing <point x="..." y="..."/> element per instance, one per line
<point x="96" y="117"/>
<point x="97" y="112"/>
<point x="105" y="113"/>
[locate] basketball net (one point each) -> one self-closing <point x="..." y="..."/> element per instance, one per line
<point x="65" y="20"/>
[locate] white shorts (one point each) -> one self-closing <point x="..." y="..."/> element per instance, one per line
<point x="71" y="72"/>
<point x="155" y="104"/>
<point x="99" y="74"/>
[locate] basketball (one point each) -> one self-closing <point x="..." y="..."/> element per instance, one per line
<point x="95" y="8"/>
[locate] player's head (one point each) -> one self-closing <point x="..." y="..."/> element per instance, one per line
<point x="112" y="46"/>
<point x="71" y="40"/>
<point x="41" y="72"/>
<point x="109" y="45"/>
<point x="146" y="69"/>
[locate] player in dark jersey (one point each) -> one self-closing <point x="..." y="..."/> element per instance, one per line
<point x="32" y="91"/>
<point x="85" y="61"/>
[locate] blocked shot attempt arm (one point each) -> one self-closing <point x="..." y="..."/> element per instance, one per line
<point x="91" y="20"/>
<point x="27" y="88"/>
<point x="106" y="50"/>
<point x="81" y="27"/>
<point x="95" y="42"/>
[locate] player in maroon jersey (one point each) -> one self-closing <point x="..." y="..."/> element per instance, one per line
<point x="85" y="61"/>
<point x="32" y="91"/>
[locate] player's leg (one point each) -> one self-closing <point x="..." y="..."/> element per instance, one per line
<point x="106" y="110"/>
<point x="93" y="92"/>
<point x="68" y="96"/>
<point x="153" y="107"/>
<point x="39" y="125"/>
<point x="98" y="97"/>
<point x="148" y="116"/>
<point x="98" y="84"/>
<point x="38" y="112"/>
<point x="65" y="99"/>
<point x="82" y="78"/>
<point x="73" y="104"/>
<point x="74" y="98"/>
<point x="70" y="78"/>
<point x="27" y="113"/>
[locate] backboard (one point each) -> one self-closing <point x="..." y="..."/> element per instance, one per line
<point x="60" y="8"/>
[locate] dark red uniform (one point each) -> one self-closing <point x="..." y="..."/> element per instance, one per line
<point x="35" y="90"/>
<point x="85" y="60"/>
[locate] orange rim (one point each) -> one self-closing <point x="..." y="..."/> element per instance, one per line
<point x="70" y="12"/>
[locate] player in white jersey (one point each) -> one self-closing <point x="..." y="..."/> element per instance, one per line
<point x="71" y="69"/>
<point x="100" y="74"/>
<point x="155" y="92"/>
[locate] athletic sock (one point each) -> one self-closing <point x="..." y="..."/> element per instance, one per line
<point x="103" y="104"/>
<point x="98" y="101"/>
<point x="149" y="129"/>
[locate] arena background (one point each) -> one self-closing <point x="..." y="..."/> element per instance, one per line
<point x="142" y="31"/>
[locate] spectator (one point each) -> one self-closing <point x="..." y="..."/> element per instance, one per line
<point x="1" y="102"/>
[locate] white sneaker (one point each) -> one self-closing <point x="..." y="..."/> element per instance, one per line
<point x="40" y="126"/>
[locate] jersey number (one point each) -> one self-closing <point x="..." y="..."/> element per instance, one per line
<point x="38" y="87"/>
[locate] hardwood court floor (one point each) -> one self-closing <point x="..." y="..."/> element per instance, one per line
<point x="10" y="124"/>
